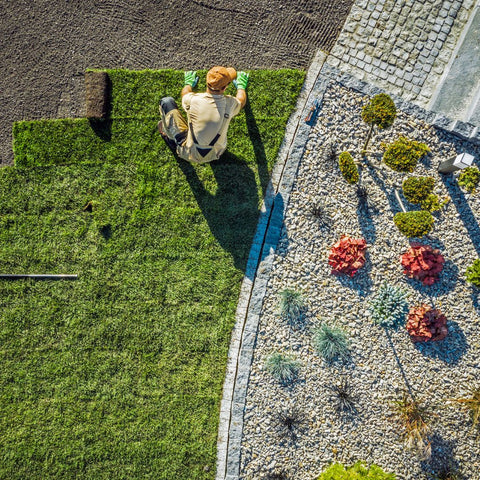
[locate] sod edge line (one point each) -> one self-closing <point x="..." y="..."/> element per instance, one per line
<point x="243" y="338"/>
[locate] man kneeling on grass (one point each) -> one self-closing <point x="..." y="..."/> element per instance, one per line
<point x="203" y="137"/>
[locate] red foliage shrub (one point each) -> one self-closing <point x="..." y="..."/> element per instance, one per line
<point x="423" y="263"/>
<point x="347" y="255"/>
<point x="426" y="324"/>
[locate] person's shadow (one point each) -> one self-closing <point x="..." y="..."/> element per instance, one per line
<point x="232" y="211"/>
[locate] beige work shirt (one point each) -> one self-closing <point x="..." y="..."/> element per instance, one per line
<point x="208" y="115"/>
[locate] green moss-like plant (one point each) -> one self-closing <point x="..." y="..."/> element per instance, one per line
<point x="432" y="203"/>
<point x="414" y="224"/>
<point x="358" y="471"/>
<point x="348" y="168"/>
<point x="381" y="111"/>
<point x="469" y="179"/>
<point x="331" y="343"/>
<point x="403" y="154"/>
<point x="282" y="367"/>
<point x="417" y="189"/>
<point x="473" y="273"/>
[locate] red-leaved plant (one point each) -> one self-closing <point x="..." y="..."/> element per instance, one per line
<point x="347" y="255"/>
<point x="426" y="324"/>
<point x="423" y="263"/>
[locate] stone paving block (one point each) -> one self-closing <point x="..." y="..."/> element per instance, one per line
<point x="475" y="136"/>
<point x="462" y="129"/>
<point x="443" y="122"/>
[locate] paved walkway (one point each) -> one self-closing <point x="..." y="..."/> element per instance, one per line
<point x="404" y="48"/>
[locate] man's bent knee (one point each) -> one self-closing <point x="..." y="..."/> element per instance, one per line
<point x="168" y="104"/>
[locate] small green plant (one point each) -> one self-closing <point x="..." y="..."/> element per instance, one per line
<point x="432" y="203"/>
<point x="358" y="471"/>
<point x="283" y="368"/>
<point x="292" y="307"/>
<point x="403" y="154"/>
<point x="331" y="343"/>
<point x="472" y="404"/>
<point x="469" y="179"/>
<point x="413" y="418"/>
<point x="381" y="111"/>
<point x="348" y="168"/>
<point x="473" y="273"/>
<point x="417" y="189"/>
<point x="414" y="224"/>
<point x="344" y="397"/>
<point x="390" y="307"/>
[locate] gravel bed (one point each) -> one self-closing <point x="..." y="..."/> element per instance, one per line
<point x="383" y="363"/>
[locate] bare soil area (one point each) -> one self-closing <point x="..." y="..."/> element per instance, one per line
<point x="47" y="45"/>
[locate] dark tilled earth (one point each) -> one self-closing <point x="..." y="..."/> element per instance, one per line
<point x="46" y="45"/>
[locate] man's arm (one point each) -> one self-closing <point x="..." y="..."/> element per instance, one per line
<point x="241" y="97"/>
<point x="186" y="89"/>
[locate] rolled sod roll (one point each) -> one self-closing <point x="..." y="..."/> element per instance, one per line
<point x="97" y="94"/>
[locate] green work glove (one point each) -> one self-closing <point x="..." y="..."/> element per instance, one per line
<point x="190" y="78"/>
<point x="241" y="80"/>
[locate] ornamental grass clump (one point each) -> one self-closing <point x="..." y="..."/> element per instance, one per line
<point x="413" y="418"/>
<point x="390" y="307"/>
<point x="282" y="367"/>
<point x="347" y="256"/>
<point x="469" y="179"/>
<point x="292" y="307"/>
<point x="425" y="324"/>
<point x="358" y="471"/>
<point x="331" y="343"/>
<point x="344" y="397"/>
<point x="380" y="111"/>
<point x="414" y="224"/>
<point x="403" y="154"/>
<point x="472" y="404"/>
<point x="473" y="273"/>
<point x="348" y="168"/>
<point x="422" y="262"/>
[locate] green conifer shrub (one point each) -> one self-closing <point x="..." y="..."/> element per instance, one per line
<point x="417" y="189"/>
<point x="414" y="224"/>
<point x="348" y="168"/>
<point x="473" y="273"/>
<point x="358" y="471"/>
<point x="469" y="179"/>
<point x="403" y="154"/>
<point x="390" y="307"/>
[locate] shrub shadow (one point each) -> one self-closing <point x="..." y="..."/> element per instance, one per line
<point x="361" y="281"/>
<point x="475" y="294"/>
<point x="446" y="282"/>
<point x="450" y="350"/>
<point x="442" y="459"/>
<point x="463" y="210"/>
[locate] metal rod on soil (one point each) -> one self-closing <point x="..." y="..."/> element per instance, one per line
<point x="7" y="276"/>
<point x="399" y="200"/>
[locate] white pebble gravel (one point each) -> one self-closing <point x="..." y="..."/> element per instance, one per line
<point x="381" y="367"/>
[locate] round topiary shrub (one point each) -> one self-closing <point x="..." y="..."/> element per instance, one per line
<point x="423" y="263"/>
<point x="469" y="179"/>
<point x="358" y="471"/>
<point x="403" y="154"/>
<point x="381" y="111"/>
<point x="417" y="189"/>
<point x="414" y="224"/>
<point x="426" y="324"/>
<point x="348" y="168"/>
<point x="473" y="273"/>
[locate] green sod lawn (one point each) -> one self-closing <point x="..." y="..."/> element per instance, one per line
<point x="119" y="374"/>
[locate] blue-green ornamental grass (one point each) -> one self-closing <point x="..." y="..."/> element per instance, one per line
<point x="119" y="375"/>
<point x="390" y="307"/>
<point x="292" y="307"/>
<point x="282" y="367"/>
<point x="331" y="343"/>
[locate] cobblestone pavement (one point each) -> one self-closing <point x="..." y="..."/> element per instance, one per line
<point x="401" y="46"/>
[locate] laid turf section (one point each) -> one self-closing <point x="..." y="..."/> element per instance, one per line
<point x="119" y="374"/>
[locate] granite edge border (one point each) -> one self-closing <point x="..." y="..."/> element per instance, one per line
<point x="257" y="273"/>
